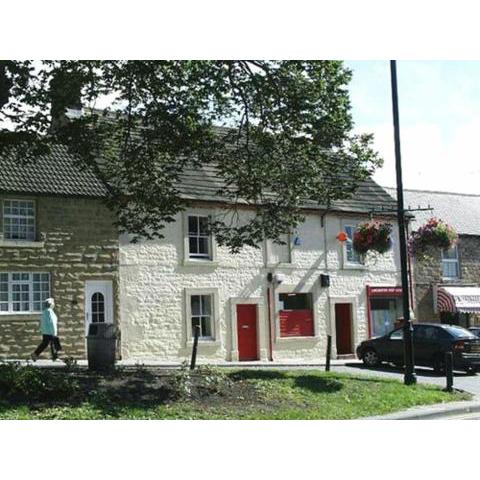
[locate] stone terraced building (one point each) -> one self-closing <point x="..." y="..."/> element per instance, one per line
<point x="56" y="240"/>
<point x="271" y="302"/>
<point x="447" y="285"/>
<point x="275" y="302"/>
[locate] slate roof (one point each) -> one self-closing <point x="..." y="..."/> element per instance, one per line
<point x="462" y="211"/>
<point x="53" y="174"/>
<point x="203" y="184"/>
<point x="58" y="174"/>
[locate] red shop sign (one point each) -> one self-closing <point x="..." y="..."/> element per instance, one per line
<point x="384" y="291"/>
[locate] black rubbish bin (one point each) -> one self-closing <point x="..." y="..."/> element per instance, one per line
<point x="101" y="341"/>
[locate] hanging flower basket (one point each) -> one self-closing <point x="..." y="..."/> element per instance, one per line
<point x="373" y="236"/>
<point x="435" y="233"/>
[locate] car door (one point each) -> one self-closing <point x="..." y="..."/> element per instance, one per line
<point x="393" y="347"/>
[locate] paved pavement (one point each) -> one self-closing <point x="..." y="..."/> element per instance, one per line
<point x="462" y="381"/>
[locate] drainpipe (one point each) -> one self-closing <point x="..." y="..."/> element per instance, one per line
<point x="323" y="225"/>
<point x="270" y="333"/>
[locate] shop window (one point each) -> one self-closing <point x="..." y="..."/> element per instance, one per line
<point x="384" y="314"/>
<point x="296" y="314"/>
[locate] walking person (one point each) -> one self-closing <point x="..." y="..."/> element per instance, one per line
<point x="48" y="328"/>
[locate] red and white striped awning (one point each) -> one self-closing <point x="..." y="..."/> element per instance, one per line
<point x="458" y="299"/>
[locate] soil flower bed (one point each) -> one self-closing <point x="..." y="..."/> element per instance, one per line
<point x="219" y="394"/>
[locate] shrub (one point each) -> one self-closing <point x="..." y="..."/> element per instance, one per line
<point x="27" y="383"/>
<point x="204" y="380"/>
<point x="374" y="236"/>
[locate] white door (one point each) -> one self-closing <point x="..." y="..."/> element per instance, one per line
<point x="98" y="302"/>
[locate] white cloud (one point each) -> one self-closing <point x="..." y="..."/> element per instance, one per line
<point x="431" y="160"/>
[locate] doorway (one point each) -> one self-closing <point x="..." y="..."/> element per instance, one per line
<point x="98" y="302"/>
<point x="343" y="328"/>
<point x="247" y="332"/>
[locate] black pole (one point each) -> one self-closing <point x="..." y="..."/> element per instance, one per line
<point x="329" y="353"/>
<point x="409" y="377"/>
<point x="196" y="334"/>
<point x="449" y="371"/>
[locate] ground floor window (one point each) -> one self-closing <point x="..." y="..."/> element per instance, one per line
<point x="384" y="313"/>
<point x="201" y="315"/>
<point x="296" y="314"/>
<point x="23" y="292"/>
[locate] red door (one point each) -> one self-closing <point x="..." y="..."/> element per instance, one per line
<point x="247" y="332"/>
<point x="343" y="326"/>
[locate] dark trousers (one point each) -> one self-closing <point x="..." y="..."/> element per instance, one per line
<point x="48" y="340"/>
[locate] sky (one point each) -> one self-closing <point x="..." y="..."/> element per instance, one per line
<point x="439" y="105"/>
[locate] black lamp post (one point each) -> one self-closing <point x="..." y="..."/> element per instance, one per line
<point x="409" y="376"/>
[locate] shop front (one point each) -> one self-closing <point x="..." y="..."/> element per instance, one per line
<point x="459" y="305"/>
<point x="384" y="307"/>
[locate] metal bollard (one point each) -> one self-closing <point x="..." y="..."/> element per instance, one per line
<point x="449" y="371"/>
<point x="195" y="347"/>
<point x="329" y="353"/>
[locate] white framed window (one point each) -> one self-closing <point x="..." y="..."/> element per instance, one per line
<point x="202" y="310"/>
<point x="199" y="242"/>
<point x="23" y="292"/>
<point x="19" y="220"/>
<point x="352" y="257"/>
<point x="201" y="315"/>
<point x="278" y="253"/>
<point x="450" y="263"/>
<point x="199" y="246"/>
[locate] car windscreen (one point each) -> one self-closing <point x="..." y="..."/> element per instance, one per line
<point x="459" y="332"/>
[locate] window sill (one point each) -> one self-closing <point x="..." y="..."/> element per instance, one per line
<point x="191" y="262"/>
<point x="354" y="266"/>
<point x="206" y="343"/>
<point x="315" y="338"/>
<point x="280" y="265"/>
<point x="21" y="244"/>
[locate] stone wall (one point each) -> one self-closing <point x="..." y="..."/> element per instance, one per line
<point x="154" y="281"/>
<point x="76" y="241"/>
<point x="428" y="273"/>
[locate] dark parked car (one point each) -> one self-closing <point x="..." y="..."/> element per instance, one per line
<point x="430" y="342"/>
<point x="475" y="331"/>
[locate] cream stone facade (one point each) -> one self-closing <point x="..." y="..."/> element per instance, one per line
<point x="158" y="278"/>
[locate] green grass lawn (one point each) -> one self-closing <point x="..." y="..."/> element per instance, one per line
<point x="230" y="394"/>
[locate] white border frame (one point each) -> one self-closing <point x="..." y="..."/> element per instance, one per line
<point x="262" y="349"/>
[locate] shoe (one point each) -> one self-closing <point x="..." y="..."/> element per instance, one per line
<point x="33" y="357"/>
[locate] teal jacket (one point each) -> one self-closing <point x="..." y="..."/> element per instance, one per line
<point x="48" y="322"/>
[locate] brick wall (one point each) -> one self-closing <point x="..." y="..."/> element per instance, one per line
<point x="76" y="241"/>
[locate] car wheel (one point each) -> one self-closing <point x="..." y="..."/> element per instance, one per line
<point x="438" y="364"/>
<point x="370" y="358"/>
<point x="470" y="371"/>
